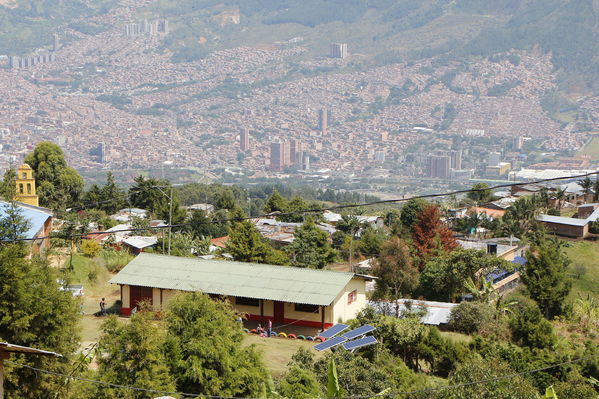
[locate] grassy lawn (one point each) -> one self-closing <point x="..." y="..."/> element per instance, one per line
<point x="458" y="338"/>
<point x="278" y="351"/>
<point x="584" y="253"/>
<point x="93" y="275"/>
<point x="592" y="149"/>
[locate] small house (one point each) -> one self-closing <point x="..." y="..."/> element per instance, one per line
<point x="39" y="224"/>
<point x="304" y="297"/>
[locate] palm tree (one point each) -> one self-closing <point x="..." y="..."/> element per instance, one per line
<point x="596" y="189"/>
<point x="544" y="197"/>
<point x="586" y="185"/>
<point x="560" y="195"/>
<point x="484" y="293"/>
<point x="520" y="217"/>
<point x="586" y="311"/>
<point x="502" y="307"/>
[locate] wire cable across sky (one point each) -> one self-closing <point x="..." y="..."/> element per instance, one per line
<point x="306" y="211"/>
<point x="390" y="394"/>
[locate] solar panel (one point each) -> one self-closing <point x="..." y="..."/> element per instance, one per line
<point x="331" y="332"/>
<point x="329" y="343"/>
<point x="358" y="343"/>
<point x="365" y="329"/>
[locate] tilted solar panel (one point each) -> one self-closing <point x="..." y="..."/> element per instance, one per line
<point x="329" y="343"/>
<point x="331" y="332"/>
<point x="359" y="332"/>
<point x="358" y="343"/>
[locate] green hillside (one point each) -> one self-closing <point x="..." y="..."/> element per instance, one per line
<point x="382" y="30"/>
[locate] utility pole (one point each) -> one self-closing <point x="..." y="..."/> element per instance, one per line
<point x="170" y="220"/>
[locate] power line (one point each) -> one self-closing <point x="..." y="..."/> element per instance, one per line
<point x="133" y="388"/>
<point x="311" y="210"/>
<point x="381" y="395"/>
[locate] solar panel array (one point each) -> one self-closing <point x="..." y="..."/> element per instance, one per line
<point x="332" y="339"/>
<point x="358" y="343"/>
<point x="329" y="343"/>
<point x="358" y="332"/>
<point x="331" y="332"/>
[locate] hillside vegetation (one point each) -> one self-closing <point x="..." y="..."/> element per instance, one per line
<point x="383" y="30"/>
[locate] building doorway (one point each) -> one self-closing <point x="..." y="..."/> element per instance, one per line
<point x="139" y="294"/>
<point x="279" y="312"/>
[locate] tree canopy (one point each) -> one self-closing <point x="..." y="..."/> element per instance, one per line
<point x="246" y="244"/>
<point x="546" y="276"/>
<point x="205" y="352"/>
<point x="57" y="185"/>
<point x="310" y="247"/>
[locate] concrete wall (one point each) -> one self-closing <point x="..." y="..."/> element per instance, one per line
<point x="567" y="230"/>
<point x="339" y="311"/>
<point x="125" y="298"/>
<point x="342" y="311"/>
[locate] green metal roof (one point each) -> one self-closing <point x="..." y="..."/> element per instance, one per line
<point x="251" y="280"/>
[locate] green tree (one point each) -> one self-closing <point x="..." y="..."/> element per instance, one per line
<point x="185" y="244"/>
<point x="246" y="244"/>
<point x="296" y="204"/>
<point x="446" y="277"/>
<point x="205" y="351"/>
<point x="397" y="275"/>
<point x="134" y="354"/>
<point x="546" y="276"/>
<point x="520" y="218"/>
<point x="200" y="225"/>
<point x="470" y="317"/>
<point x="410" y="211"/>
<point x="529" y="328"/>
<point x="58" y="186"/>
<point x="475" y="369"/>
<point x="155" y="196"/>
<point x="310" y="247"/>
<point x="371" y="240"/>
<point x="480" y="193"/>
<point x="275" y="203"/>
<point x="112" y="196"/>
<point x="226" y="200"/>
<point x="35" y="312"/>
<point x="586" y="184"/>
<point x="8" y="187"/>
<point x="299" y="383"/>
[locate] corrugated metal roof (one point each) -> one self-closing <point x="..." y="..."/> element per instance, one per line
<point x="563" y="220"/>
<point x="251" y="280"/>
<point x="436" y="312"/>
<point x="12" y="348"/>
<point x="35" y="216"/>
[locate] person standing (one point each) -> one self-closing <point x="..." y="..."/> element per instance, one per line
<point x="269" y="328"/>
<point x="103" y="307"/>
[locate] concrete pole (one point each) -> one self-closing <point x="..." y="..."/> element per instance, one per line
<point x="170" y="222"/>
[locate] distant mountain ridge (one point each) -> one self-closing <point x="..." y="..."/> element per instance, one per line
<point x="385" y="30"/>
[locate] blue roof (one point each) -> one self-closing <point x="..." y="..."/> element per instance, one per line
<point x="519" y="260"/>
<point x="35" y="216"/>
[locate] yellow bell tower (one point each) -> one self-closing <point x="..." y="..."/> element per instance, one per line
<point x="26" y="186"/>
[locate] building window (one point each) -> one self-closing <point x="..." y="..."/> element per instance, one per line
<point x="24" y="175"/>
<point x="352" y="297"/>
<point x="28" y="188"/>
<point x="20" y="188"/>
<point x="247" y="301"/>
<point x="302" y="307"/>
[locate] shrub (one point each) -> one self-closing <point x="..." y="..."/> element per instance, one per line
<point x="90" y="248"/>
<point x="116" y="260"/>
<point x="470" y="317"/>
<point x="530" y="328"/>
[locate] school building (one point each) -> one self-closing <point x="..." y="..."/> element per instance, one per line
<point x="282" y="294"/>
